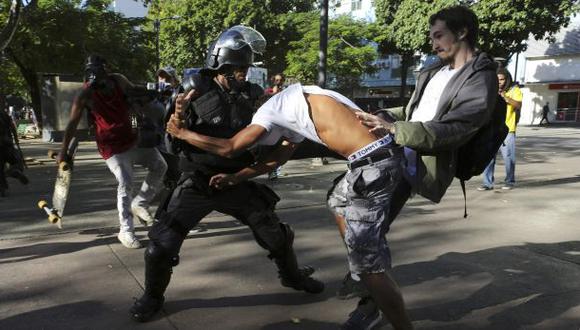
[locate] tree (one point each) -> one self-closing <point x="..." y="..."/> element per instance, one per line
<point x="56" y="35"/>
<point x="184" y="41"/>
<point x="13" y="16"/>
<point x="403" y="27"/>
<point x="347" y="42"/>
<point x="504" y="25"/>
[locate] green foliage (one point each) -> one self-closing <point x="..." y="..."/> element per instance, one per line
<point x="11" y="81"/>
<point x="184" y="41"/>
<point x="349" y="54"/>
<point x="504" y="25"/>
<point x="404" y="24"/>
<point x="55" y="36"/>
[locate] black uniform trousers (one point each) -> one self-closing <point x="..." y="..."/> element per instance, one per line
<point x="249" y="202"/>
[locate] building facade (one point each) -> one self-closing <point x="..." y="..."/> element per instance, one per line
<point x="129" y="8"/>
<point x="382" y="88"/>
<point x="550" y="74"/>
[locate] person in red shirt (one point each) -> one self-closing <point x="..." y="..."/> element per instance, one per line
<point x="105" y="96"/>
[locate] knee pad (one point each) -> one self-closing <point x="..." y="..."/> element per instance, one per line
<point x="158" y="255"/>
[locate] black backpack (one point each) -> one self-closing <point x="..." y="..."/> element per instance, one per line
<point x="474" y="156"/>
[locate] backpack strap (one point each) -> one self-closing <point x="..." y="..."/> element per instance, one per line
<point x="462" y="182"/>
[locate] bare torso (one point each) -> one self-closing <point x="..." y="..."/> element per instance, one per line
<point x="337" y="126"/>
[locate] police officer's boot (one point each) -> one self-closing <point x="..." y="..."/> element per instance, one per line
<point x="158" y="270"/>
<point x="290" y="274"/>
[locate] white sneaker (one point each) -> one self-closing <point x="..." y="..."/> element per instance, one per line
<point x="129" y="240"/>
<point x="142" y="214"/>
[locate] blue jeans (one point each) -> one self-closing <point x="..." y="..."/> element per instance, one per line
<point x="508" y="152"/>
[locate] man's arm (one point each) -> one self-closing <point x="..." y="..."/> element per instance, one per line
<point x="125" y="84"/>
<point x="514" y="98"/>
<point x="223" y="147"/>
<point x="76" y="112"/>
<point x="276" y="158"/>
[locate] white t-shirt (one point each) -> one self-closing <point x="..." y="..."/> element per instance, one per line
<point x="286" y="114"/>
<point x="426" y="111"/>
<point x="430" y="99"/>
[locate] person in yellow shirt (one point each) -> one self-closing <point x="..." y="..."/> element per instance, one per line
<point x="513" y="97"/>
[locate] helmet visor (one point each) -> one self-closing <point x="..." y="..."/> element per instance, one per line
<point x="239" y="36"/>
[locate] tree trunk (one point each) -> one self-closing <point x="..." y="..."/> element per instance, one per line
<point x="31" y="78"/>
<point x="10" y="28"/>
<point x="406" y="61"/>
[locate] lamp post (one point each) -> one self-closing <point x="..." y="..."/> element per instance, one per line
<point x="157" y="29"/>
<point x="323" y="43"/>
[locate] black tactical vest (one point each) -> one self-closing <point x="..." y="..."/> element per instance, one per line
<point x="222" y="114"/>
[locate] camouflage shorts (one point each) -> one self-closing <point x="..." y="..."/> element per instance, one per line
<point x="363" y="196"/>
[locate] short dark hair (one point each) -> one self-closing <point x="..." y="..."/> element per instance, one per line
<point x="458" y="18"/>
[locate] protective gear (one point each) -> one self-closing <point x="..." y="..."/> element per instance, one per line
<point x="158" y="269"/>
<point x="95" y="71"/>
<point x="159" y="263"/>
<point x="235" y="46"/>
<point x="290" y="274"/>
<point x="168" y="72"/>
<point x="220" y="114"/>
<point x="198" y="81"/>
<point x="145" y="308"/>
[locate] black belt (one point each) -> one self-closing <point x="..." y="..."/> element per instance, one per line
<point x="388" y="153"/>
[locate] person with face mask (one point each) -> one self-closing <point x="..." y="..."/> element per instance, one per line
<point x="222" y="105"/>
<point x="104" y="95"/>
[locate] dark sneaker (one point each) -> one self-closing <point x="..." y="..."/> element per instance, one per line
<point x="484" y="188"/>
<point x="508" y="187"/>
<point x="145" y="308"/>
<point x="351" y="289"/>
<point x="365" y="317"/>
<point x="304" y="282"/>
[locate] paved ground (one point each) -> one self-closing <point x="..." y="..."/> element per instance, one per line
<point x="513" y="264"/>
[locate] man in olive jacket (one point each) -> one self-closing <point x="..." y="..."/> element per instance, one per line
<point x="465" y="104"/>
<point x="452" y="100"/>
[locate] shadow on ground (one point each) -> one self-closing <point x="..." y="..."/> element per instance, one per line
<point x="43" y="250"/>
<point x="515" y="286"/>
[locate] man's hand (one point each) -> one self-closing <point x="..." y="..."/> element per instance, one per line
<point x="175" y="127"/>
<point x="182" y="102"/>
<point x="222" y="180"/>
<point x="376" y="125"/>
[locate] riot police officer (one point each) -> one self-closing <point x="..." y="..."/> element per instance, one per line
<point x="223" y="107"/>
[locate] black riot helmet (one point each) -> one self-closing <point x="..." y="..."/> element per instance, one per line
<point x="235" y="46"/>
<point x="95" y="70"/>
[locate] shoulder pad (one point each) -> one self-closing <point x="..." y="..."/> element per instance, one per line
<point x="196" y="81"/>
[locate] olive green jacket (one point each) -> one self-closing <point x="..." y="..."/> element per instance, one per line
<point x="466" y="104"/>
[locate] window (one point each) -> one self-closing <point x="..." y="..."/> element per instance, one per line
<point x="356" y="5"/>
<point x="568" y="106"/>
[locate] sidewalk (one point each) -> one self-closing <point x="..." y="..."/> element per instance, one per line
<point x="514" y="263"/>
